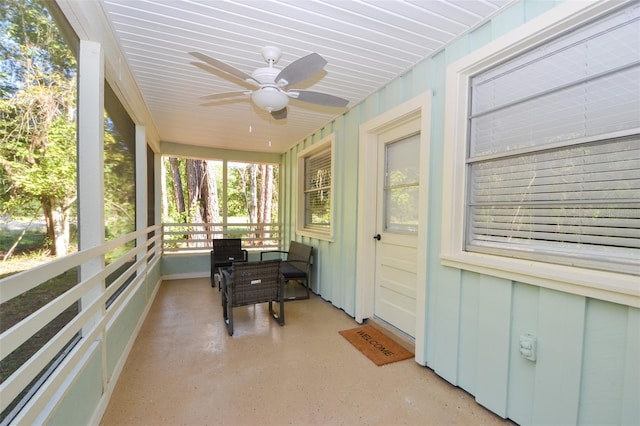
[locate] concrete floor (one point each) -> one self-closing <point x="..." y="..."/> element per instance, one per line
<point x="184" y="369"/>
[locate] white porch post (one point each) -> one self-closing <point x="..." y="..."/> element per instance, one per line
<point x="91" y="165"/>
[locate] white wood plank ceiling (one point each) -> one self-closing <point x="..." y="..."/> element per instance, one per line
<point x="367" y="43"/>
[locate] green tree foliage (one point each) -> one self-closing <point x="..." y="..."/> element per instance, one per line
<point x="237" y="190"/>
<point x="37" y="113"/>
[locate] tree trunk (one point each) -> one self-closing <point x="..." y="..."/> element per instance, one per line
<point x="177" y="187"/>
<point x="261" y="193"/>
<point x="268" y="193"/>
<point x="163" y="191"/>
<point x="210" y="192"/>
<point x="194" y="190"/>
<point x="253" y="193"/>
<point x="57" y="224"/>
<point x="252" y="197"/>
<point x="266" y="196"/>
<point x="8" y="254"/>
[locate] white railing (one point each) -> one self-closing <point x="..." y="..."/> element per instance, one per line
<point x="182" y="237"/>
<point x="102" y="294"/>
<point x="98" y="295"/>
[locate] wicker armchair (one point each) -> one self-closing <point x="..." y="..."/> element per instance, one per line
<point x="248" y="283"/>
<point x="296" y="266"/>
<point x="225" y="252"/>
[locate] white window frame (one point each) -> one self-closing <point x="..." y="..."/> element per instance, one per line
<point x="326" y="143"/>
<point x="616" y="287"/>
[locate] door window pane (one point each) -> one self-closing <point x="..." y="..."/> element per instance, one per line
<point x="401" y="185"/>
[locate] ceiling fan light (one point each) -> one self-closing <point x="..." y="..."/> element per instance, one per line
<point x="270" y="99"/>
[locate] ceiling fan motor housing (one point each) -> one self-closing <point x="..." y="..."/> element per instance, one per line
<point x="270" y="98"/>
<point x="265" y="75"/>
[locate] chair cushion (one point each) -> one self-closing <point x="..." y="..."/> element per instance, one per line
<point x="289" y="271"/>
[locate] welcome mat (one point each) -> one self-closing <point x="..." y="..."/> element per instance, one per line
<point x="375" y="345"/>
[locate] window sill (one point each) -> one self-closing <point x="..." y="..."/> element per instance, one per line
<point x="613" y="287"/>
<point x="325" y="236"/>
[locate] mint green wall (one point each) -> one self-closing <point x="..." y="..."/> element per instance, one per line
<point x="80" y="402"/>
<point x="196" y="264"/>
<point x="120" y="331"/>
<point x="587" y="369"/>
<point x="192" y="265"/>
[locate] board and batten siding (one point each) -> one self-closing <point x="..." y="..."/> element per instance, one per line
<point x="588" y="361"/>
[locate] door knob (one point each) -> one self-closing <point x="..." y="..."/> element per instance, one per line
<point x="377" y="237"/>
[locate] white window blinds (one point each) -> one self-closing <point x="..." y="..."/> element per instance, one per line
<point x="554" y="150"/>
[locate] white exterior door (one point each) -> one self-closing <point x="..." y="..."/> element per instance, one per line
<point x="391" y="273"/>
<point x="398" y="192"/>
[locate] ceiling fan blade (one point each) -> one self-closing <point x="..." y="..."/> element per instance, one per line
<point x="300" y="69"/>
<point x="279" y="115"/>
<point x="225" y="67"/>
<point x="217" y="72"/>
<point x="222" y="102"/>
<point x="224" y="95"/>
<point x="318" y="98"/>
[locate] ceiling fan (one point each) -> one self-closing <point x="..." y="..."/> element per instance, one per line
<point x="268" y="86"/>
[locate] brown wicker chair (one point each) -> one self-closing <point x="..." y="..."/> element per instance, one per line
<point x="248" y="283"/>
<point x="225" y="252"/>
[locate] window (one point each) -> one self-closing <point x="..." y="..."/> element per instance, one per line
<point x="119" y="165"/>
<point x="550" y="150"/>
<point x="401" y="190"/>
<point x="119" y="185"/>
<point x="220" y="199"/>
<point x="315" y="164"/>
<point x="550" y="174"/>
<point x="38" y="154"/>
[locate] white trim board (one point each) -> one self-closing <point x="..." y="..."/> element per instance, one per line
<point x="419" y="106"/>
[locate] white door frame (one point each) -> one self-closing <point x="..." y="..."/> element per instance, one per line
<point x="367" y="185"/>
